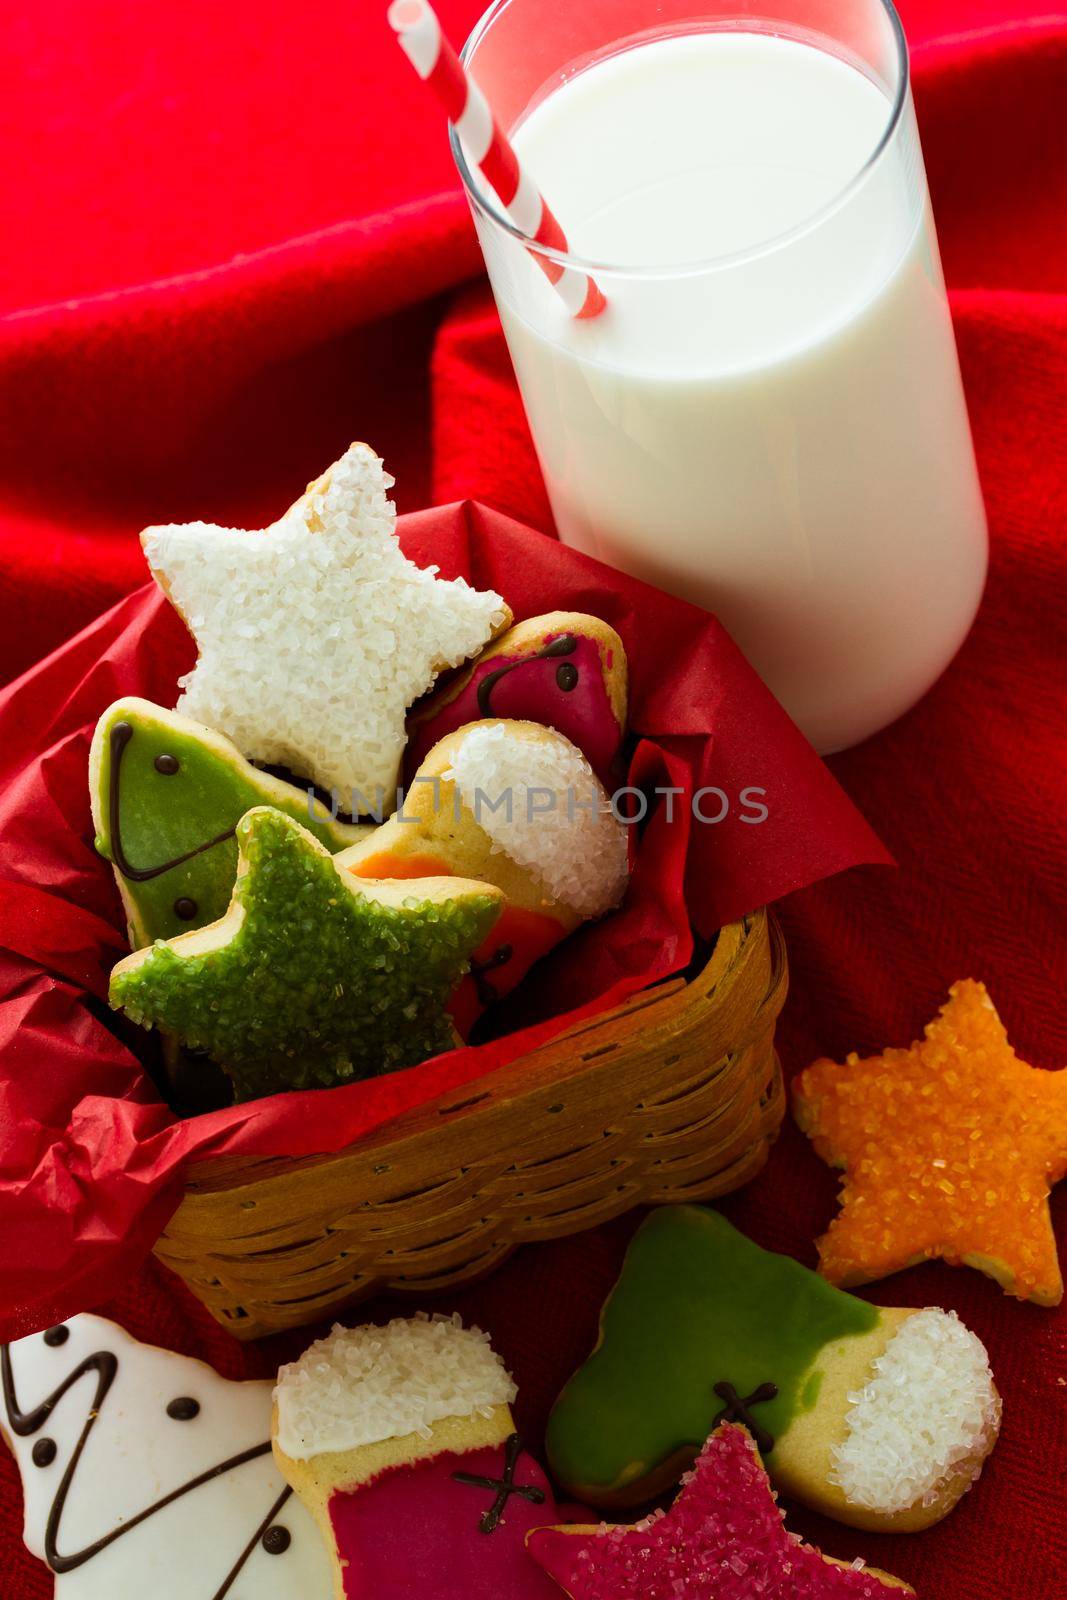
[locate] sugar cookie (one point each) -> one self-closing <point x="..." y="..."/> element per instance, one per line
<point x="312" y="977"/>
<point x="880" y="1418"/>
<point x="565" y="670"/>
<point x="949" y="1149"/>
<point x="317" y="633"/>
<point x="167" y="795"/>
<point x="400" y="1443"/>
<point x="723" y="1539"/>
<point x="492" y="801"/>
<point x="145" y="1473"/>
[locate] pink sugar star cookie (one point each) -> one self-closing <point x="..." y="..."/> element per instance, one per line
<point x="723" y="1539"/>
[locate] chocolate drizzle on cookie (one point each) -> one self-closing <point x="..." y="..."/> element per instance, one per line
<point x="104" y="1366"/>
<point x="119" y="738"/>
<point x="505" y="1486"/>
<point x="565" y="645"/>
<point x="739" y="1409"/>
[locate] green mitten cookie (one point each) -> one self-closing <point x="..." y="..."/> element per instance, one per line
<point x="313" y="977"/>
<point x="879" y="1417"/>
<point x="167" y="794"/>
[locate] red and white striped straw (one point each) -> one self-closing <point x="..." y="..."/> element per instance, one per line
<point x="485" y="142"/>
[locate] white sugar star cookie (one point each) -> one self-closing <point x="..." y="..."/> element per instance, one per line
<point x="317" y="633"/>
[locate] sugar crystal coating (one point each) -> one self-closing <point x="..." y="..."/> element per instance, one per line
<point x="358" y="1386"/>
<point x="723" y="1539"/>
<point x="948" y="1148"/>
<point x="317" y="633"/>
<point x="538" y="800"/>
<point x="929" y="1413"/>
<point x="315" y="982"/>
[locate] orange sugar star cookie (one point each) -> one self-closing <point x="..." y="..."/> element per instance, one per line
<point x="949" y="1149"/>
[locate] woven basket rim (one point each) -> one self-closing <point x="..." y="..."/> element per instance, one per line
<point x="677" y="1095"/>
<point x="514" y="1079"/>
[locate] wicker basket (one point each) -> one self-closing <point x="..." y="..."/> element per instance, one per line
<point x="676" y="1095"/>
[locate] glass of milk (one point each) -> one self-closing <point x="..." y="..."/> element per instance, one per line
<point x="768" y="419"/>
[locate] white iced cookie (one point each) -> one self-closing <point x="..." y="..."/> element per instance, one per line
<point x="145" y="1474"/>
<point x="317" y="633"/>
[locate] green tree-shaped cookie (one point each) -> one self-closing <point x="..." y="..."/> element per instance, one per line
<point x="697" y="1305"/>
<point x="879" y="1416"/>
<point x="167" y="794"/>
<point x="313" y="977"/>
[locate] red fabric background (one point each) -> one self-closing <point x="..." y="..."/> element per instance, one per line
<point x="234" y="242"/>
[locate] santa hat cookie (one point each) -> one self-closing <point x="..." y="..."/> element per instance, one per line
<point x="516" y="805"/>
<point x="880" y="1418"/>
<point x="145" y="1473"/>
<point x="317" y="633"/>
<point x="400" y="1442"/>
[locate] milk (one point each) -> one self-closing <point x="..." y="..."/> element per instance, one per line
<point x="768" y="419"/>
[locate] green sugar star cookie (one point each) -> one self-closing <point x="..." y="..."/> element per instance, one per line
<point x="313" y="977"/>
<point x="167" y="794"/>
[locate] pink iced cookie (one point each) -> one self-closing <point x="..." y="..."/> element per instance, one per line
<point x="565" y="670"/>
<point x="723" y="1539"/>
<point x="453" y="1524"/>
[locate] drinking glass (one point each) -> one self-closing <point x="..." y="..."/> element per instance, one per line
<point x="777" y="433"/>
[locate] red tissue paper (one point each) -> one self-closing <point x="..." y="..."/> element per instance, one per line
<point x="91" y="1159"/>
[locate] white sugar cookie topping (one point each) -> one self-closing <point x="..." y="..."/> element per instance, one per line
<point x="317" y="633"/>
<point x="579" y="853"/>
<point x="930" y="1411"/>
<point x="361" y="1385"/>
